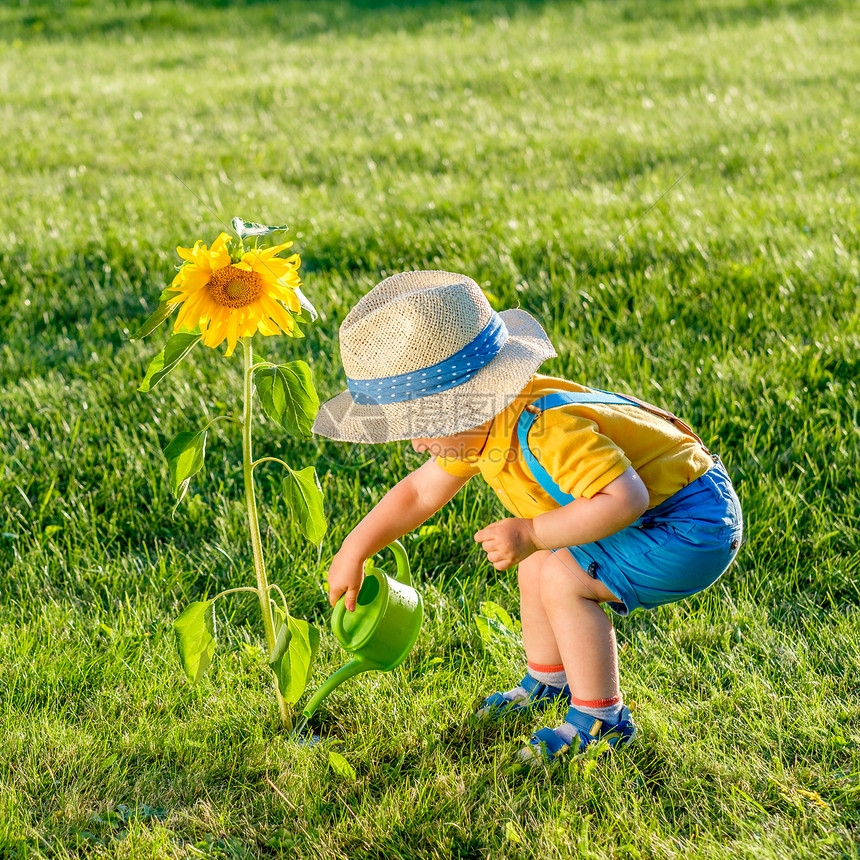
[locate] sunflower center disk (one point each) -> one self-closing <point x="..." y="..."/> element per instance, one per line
<point x="235" y="288"/>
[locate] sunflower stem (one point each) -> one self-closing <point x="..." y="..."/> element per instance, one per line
<point x="254" y="524"/>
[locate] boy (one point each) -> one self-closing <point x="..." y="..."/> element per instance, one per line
<point x="614" y="500"/>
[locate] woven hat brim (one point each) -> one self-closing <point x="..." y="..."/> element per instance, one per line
<point x="484" y="396"/>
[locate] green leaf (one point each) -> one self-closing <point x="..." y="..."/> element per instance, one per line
<point x="282" y="640"/>
<point x="288" y="396"/>
<point x="490" y="629"/>
<point x="185" y="456"/>
<point x="174" y="351"/>
<point x="195" y="638"/>
<point x="496" y="613"/>
<point x="512" y="834"/>
<point x="162" y="312"/>
<point x="108" y="762"/>
<point x="495" y="625"/>
<point x="282" y="665"/>
<point x="341" y="766"/>
<point x="250" y="228"/>
<point x="296" y="648"/>
<point x="305" y="498"/>
<point x="308" y="313"/>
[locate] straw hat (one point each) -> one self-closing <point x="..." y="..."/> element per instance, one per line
<point x="426" y="356"/>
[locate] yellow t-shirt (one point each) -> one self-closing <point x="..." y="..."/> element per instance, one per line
<point x="584" y="447"/>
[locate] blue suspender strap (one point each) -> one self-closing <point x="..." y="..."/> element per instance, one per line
<point x="550" y="401"/>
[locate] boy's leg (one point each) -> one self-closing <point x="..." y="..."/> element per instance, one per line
<point x="538" y="639"/>
<point x="586" y="642"/>
<point x="584" y="635"/>
<point x="582" y="631"/>
<point x="546" y="676"/>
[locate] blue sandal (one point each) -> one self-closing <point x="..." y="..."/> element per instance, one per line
<point x="541" y="696"/>
<point x="547" y="746"/>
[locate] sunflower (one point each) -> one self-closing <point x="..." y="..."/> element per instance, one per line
<point x="229" y="298"/>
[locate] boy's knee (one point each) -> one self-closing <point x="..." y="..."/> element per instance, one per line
<point x="529" y="569"/>
<point x="561" y="574"/>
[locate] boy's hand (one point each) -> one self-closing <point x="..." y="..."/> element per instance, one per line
<point x="345" y="576"/>
<point x="507" y="542"/>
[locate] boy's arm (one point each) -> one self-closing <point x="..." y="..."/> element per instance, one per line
<point x="618" y="505"/>
<point x="403" y="508"/>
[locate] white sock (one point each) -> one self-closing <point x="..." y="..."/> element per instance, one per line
<point x="516" y="695"/>
<point x="607" y="713"/>
<point x="607" y="710"/>
<point x="566" y="732"/>
<point x="554" y="677"/>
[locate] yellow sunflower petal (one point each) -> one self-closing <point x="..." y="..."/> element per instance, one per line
<point x="267" y="327"/>
<point x="268" y="270"/>
<point x="182" y="275"/>
<point x="246" y="324"/>
<point x="276" y="268"/>
<point x="181" y="318"/>
<point x="291" y="280"/>
<point x="190" y="254"/>
<point x="191" y="312"/>
<point x="268" y="253"/>
<point x="201" y="303"/>
<point x="287" y="296"/>
<point x="275" y="288"/>
<point x="232" y="333"/>
<point x="216" y="332"/>
<point x="219" y="259"/>
<point x="219" y="243"/>
<point x="194" y="279"/>
<point x="277" y="312"/>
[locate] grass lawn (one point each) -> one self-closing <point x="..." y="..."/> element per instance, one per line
<point x="671" y="188"/>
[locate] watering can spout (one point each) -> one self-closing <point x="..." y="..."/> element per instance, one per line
<point x="354" y="667"/>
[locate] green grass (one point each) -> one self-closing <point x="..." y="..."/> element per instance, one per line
<point x="516" y="142"/>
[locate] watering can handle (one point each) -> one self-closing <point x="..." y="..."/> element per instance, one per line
<point x="404" y="577"/>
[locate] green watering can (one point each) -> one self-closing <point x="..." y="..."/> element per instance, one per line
<point x="383" y="628"/>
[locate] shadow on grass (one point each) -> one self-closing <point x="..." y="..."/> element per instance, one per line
<point x="290" y="20"/>
<point x="293" y="20"/>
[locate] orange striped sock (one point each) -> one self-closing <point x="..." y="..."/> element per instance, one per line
<point x="553" y="676"/>
<point x="601" y="709"/>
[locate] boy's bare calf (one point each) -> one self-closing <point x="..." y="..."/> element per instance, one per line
<point x="563" y="623"/>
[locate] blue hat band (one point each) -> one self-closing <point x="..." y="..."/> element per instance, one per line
<point x="453" y="371"/>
